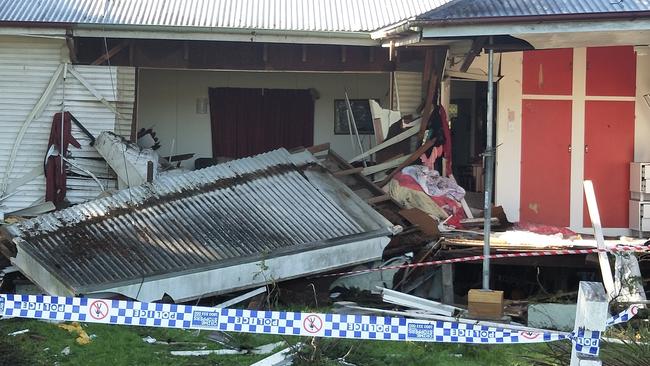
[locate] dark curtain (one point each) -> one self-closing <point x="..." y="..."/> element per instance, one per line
<point x="251" y="121"/>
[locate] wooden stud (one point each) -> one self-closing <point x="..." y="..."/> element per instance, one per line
<point x="265" y="53"/>
<point x="318" y="148"/>
<point x="344" y="54"/>
<point x="477" y="46"/>
<point x="342" y="173"/>
<point x="378" y="199"/>
<point x="112" y="52"/>
<point x="448" y="284"/>
<point x="304" y="53"/>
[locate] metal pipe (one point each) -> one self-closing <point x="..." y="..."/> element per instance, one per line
<point x="489" y="171"/>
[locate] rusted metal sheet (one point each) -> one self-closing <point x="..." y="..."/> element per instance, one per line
<point x="241" y="214"/>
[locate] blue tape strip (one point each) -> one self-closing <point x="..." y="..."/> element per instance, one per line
<point x="282" y="322"/>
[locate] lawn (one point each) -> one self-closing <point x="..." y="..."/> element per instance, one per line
<point x="123" y="345"/>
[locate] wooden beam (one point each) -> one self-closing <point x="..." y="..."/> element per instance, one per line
<point x="318" y="148"/>
<point x="477" y="46"/>
<point x="378" y="199"/>
<point x="384" y="166"/>
<point x="427" y="145"/>
<point x="70" y="42"/>
<point x="342" y="173"/>
<point x="112" y="52"/>
<point x="429" y="76"/>
<point x="391" y="141"/>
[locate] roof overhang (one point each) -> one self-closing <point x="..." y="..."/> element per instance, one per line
<point x="540" y="32"/>
<point x="553" y="34"/>
<point x="190" y="33"/>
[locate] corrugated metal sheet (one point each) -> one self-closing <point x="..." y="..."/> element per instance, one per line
<point x="232" y="211"/>
<point x="289" y="15"/>
<point x="26" y="66"/>
<point x="409" y="90"/>
<point x="466" y="9"/>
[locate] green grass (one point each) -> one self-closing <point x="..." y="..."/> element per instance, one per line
<point x="123" y="345"/>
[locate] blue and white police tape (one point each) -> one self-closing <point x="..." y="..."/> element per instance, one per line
<point x="371" y="327"/>
<point x="623" y="316"/>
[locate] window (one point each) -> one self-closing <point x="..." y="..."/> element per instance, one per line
<point x="361" y="113"/>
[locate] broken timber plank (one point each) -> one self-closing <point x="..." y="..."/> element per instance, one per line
<point x="113" y="51"/>
<point x="342" y="173"/>
<point x="383" y="166"/>
<point x="415" y="302"/>
<point x="318" y="148"/>
<point x="592" y="207"/>
<point x="391" y="141"/>
<point x="427" y="145"/>
<point x="378" y="199"/>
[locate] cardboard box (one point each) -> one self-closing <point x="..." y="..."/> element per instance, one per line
<point x="485" y="304"/>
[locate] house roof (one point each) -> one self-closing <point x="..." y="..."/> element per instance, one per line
<point x="280" y="15"/>
<point x="242" y="211"/>
<point x="473" y="9"/>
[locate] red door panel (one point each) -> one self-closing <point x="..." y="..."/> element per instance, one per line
<point x="548" y="72"/>
<point x="611" y="71"/>
<point x="546" y="162"/>
<point x="609" y="149"/>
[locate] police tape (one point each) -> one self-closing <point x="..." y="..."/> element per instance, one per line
<point x="474" y="258"/>
<point x="362" y="327"/>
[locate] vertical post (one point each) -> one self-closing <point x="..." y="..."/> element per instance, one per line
<point x="448" y="284"/>
<point x="489" y="171"/>
<point x="149" y="171"/>
<point x="591" y="315"/>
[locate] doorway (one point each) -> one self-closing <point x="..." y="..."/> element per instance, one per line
<point x="467" y="118"/>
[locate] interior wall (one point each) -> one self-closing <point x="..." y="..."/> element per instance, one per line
<point x="167" y="101"/>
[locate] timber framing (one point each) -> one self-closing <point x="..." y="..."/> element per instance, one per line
<point x="219" y="55"/>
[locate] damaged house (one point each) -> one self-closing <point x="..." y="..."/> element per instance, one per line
<point x="208" y="147"/>
<point x="171" y="98"/>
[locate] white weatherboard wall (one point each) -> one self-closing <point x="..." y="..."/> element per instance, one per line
<point x="508" y="167"/>
<point x="26" y="67"/>
<point x="167" y="101"/>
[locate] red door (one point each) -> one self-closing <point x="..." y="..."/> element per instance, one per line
<point x="546" y="162"/>
<point x="609" y="149"/>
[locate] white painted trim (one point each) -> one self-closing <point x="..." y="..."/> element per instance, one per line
<point x="570" y="97"/>
<point x="33" y="32"/>
<point x="546" y="97"/>
<point x="520" y="30"/>
<point x="610" y="99"/>
<point x="508" y="156"/>
<point x="576" y="205"/>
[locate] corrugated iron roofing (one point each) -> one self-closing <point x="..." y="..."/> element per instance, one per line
<point x="235" y="210"/>
<point x="286" y="15"/>
<point x="465" y="9"/>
